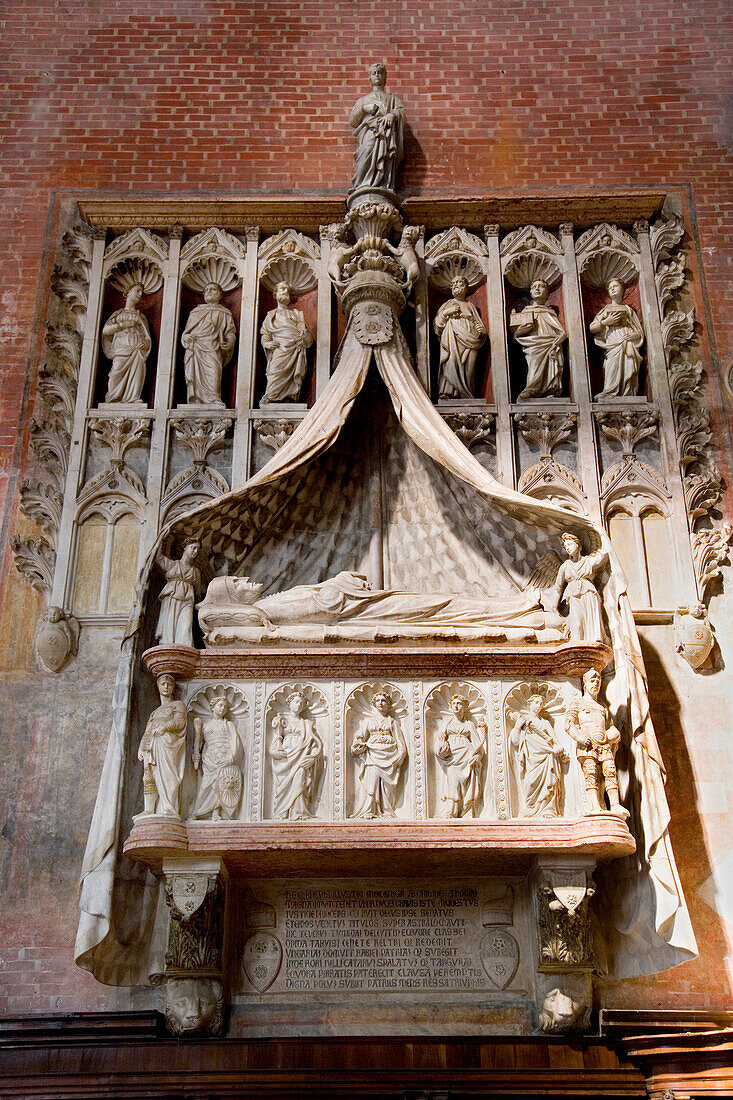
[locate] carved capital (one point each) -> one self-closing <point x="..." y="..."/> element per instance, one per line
<point x="628" y="428"/>
<point x="471" y="428"/>
<point x="252" y="234"/>
<point x="641" y="226"/>
<point x="274" y="433"/>
<point x="546" y="431"/>
<point x="492" y="230"/>
<point x="176" y="232"/>
<point x="98" y="233"/>
<point x="566" y="229"/>
<point x="564" y="939"/>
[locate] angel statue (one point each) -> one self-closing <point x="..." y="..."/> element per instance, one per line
<point x="217" y="755"/>
<point x="296" y="752"/>
<point x="618" y="332"/>
<point x="380" y="749"/>
<point x="538" y="761"/>
<point x="460" y="748"/>
<point x="571" y="582"/>
<point x="586" y="720"/>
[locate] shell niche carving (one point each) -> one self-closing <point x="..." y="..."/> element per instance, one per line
<point x="522" y="270"/>
<point x="131" y="271"/>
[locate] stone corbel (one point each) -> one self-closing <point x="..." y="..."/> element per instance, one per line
<point x="195" y="977"/>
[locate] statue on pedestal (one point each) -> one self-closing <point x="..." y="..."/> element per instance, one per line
<point x="175" y="620"/>
<point x="574" y="585"/>
<point x="219" y="763"/>
<point x="597" y="740"/>
<point x="162" y="752"/>
<point x="285" y="337"/>
<point x="461" y="746"/>
<point x="296" y="752"/>
<point x="377" y="120"/>
<point x="462" y="332"/>
<point x="537" y="328"/>
<point x="381" y="752"/>
<point x="126" y="341"/>
<point x="209" y="338"/>
<point x="538" y="761"/>
<point x="618" y="332"/>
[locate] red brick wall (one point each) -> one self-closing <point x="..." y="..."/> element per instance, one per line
<point x="188" y="95"/>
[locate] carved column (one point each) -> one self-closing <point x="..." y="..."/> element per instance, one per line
<point x="562" y="889"/>
<point x="61" y="594"/>
<point x="580" y="379"/>
<point x="505" y="453"/>
<point x="164" y="386"/>
<point x="422" y="317"/>
<point x="247" y="360"/>
<point x="657" y="367"/>
<point x="325" y="298"/>
<point x="195" y="962"/>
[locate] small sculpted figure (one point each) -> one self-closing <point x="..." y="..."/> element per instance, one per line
<point x="618" y="332"/>
<point x="405" y="253"/>
<point x="57" y="638"/>
<point x="381" y="752"/>
<point x="219" y="763"/>
<point x="296" y="752"/>
<point x="377" y="120"/>
<point x="209" y="338"/>
<point x="537" y="328"/>
<point x="163" y="752"/>
<point x="538" y="761"/>
<point x="339" y="253"/>
<point x="597" y="740"/>
<point x="126" y="341"/>
<point x="461" y="746"/>
<point x="175" y="621"/>
<point x="285" y="337"/>
<point x="574" y="585"/>
<point x="194" y="1006"/>
<point x="461" y="332"/>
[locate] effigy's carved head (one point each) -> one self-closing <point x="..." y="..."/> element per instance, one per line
<point x="220" y="707"/>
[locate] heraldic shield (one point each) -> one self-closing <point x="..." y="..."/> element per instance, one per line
<point x="499" y="957"/>
<point x="261" y="960"/>
<point x="373" y="323"/>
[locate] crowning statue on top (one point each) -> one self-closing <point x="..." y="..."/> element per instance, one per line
<point x="378" y="120"/>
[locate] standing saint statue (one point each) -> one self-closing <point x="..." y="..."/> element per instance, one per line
<point x="209" y="338"/>
<point x="538" y="761"/>
<point x="461" y="745"/>
<point x="537" y="328"/>
<point x="175" y="621"/>
<point x="574" y="585"/>
<point x="220" y="763"/>
<point x="618" y="332"/>
<point x="126" y="341"/>
<point x="381" y="752"/>
<point x="461" y="331"/>
<point x="285" y="337"/>
<point x="163" y="752"/>
<point x="296" y="752"/>
<point x="587" y="723"/>
<point x="378" y="121"/>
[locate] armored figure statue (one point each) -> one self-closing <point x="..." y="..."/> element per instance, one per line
<point x="126" y="341"/>
<point x="209" y="338"/>
<point x="381" y="752"/>
<point x="538" y="330"/>
<point x="618" y="332"/>
<point x="175" y="621"/>
<point x="461" y="331"/>
<point x="296" y="753"/>
<point x="220" y="763"/>
<point x="538" y="761"/>
<point x="162" y="752"/>
<point x="285" y="337"/>
<point x="597" y="740"/>
<point x="377" y="120"/>
<point x="461" y="746"/>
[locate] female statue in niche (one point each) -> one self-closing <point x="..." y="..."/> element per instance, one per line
<point x="126" y="341"/>
<point x="381" y="752"/>
<point x="209" y="338"/>
<point x="537" y="328"/>
<point x="378" y="120"/>
<point x="538" y="761"/>
<point x="618" y="332"/>
<point x="461" y="331"/>
<point x="285" y="337"/>
<point x="162" y="752"/>
<point x="175" y="621"/>
<point x="296" y="752"/>
<point x="574" y="585"/>
<point x="461" y="745"/>
<point x="220" y="763"/>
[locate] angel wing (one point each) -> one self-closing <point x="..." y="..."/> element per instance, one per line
<point x="545" y="572"/>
